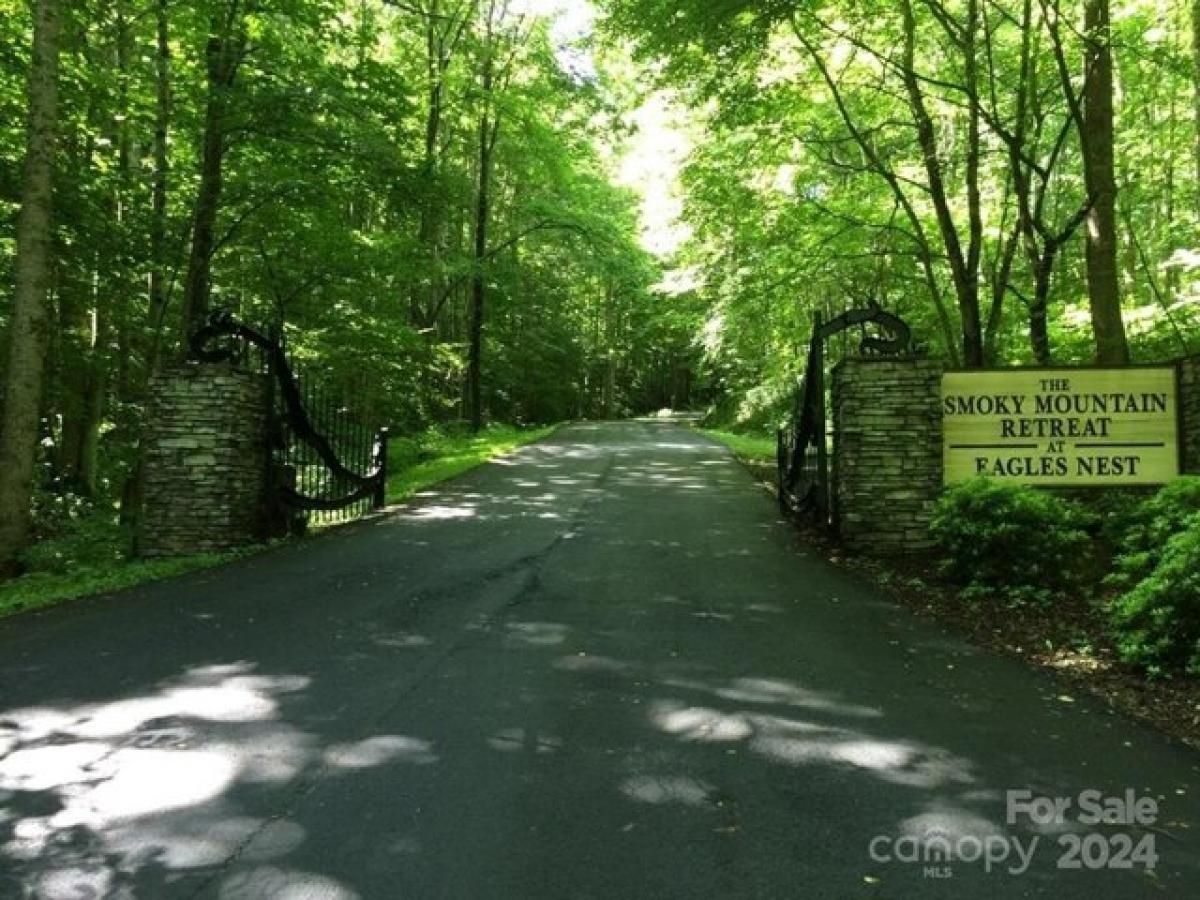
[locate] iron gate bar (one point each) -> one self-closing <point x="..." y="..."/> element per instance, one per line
<point x="300" y="429"/>
<point x="803" y="481"/>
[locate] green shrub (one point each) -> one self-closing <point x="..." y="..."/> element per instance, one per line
<point x="1112" y="511"/>
<point x="1140" y="535"/>
<point x="90" y="539"/>
<point x="1017" y="542"/>
<point x="1157" y="622"/>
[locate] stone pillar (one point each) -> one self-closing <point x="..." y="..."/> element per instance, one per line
<point x="1189" y="404"/>
<point x="205" y="451"/>
<point x="887" y="465"/>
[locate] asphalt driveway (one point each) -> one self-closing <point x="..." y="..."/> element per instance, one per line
<point x="598" y="668"/>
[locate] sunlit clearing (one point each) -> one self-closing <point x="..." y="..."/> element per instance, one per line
<point x="573" y="22"/>
<point x="651" y="168"/>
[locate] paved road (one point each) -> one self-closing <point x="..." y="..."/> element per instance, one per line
<point x="599" y="668"/>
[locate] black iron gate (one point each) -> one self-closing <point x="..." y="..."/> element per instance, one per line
<point x="327" y="465"/>
<point x="802" y="447"/>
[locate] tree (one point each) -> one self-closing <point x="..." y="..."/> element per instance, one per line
<point x="224" y="53"/>
<point x="1104" y="287"/>
<point x="1035" y="142"/>
<point x="157" y="310"/>
<point x="28" y="331"/>
<point x="940" y="158"/>
<point x="1093" y="117"/>
<point x="489" y="133"/>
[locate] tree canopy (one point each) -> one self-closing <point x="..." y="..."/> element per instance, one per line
<point x="426" y="199"/>
<point x="1016" y="177"/>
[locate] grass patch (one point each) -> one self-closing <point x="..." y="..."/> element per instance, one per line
<point x="37" y="590"/>
<point x="86" y="553"/>
<point x="753" y="449"/>
<point x="435" y="456"/>
<point x="83" y="550"/>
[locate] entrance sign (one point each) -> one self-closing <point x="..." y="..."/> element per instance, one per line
<point x="1062" y="427"/>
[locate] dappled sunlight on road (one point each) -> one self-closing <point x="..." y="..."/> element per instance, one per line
<point x="536" y="634"/>
<point x="376" y="751"/>
<point x="109" y="799"/>
<point x="800" y="742"/>
<point x="943" y="817"/>
<point x="437" y="513"/>
<point x="779" y="691"/>
<point x="598" y="667"/>
<point x="696" y="447"/>
<point x="524" y="740"/>
<point x="682" y="708"/>
<point x="666" y="789"/>
<point x="583" y="662"/>
<point x="556" y="481"/>
<point x="272" y="883"/>
<point x="693" y="723"/>
<point x="401" y="640"/>
<point x="898" y="761"/>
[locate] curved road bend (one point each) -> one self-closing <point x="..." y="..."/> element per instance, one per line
<point x="598" y="668"/>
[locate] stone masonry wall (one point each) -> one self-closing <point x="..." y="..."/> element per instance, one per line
<point x="887" y="461"/>
<point x="1189" y="402"/>
<point x="887" y="470"/>
<point x="205" y="461"/>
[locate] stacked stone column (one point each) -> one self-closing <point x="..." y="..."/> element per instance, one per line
<point x="205" y="461"/>
<point x="887" y="459"/>
<point x="1189" y="403"/>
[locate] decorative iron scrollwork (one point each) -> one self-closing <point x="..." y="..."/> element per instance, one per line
<point x="801" y="452"/>
<point x="895" y="338"/>
<point x="222" y="325"/>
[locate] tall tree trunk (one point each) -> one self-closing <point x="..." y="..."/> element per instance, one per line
<point x="973" y="338"/>
<point x="423" y="300"/>
<point x="162" y="169"/>
<point x="124" y="285"/>
<point x="225" y="48"/>
<point x="1041" y="240"/>
<point x="96" y="392"/>
<point x="964" y="261"/>
<point x="71" y="338"/>
<point x="1039" y="327"/>
<point x="110" y="282"/>
<point x="1000" y="275"/>
<point x="426" y="290"/>
<point x="877" y="164"/>
<point x="1196" y="93"/>
<point x="131" y="493"/>
<point x="489" y="130"/>
<point x="30" y="317"/>
<point x="1103" y="274"/>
